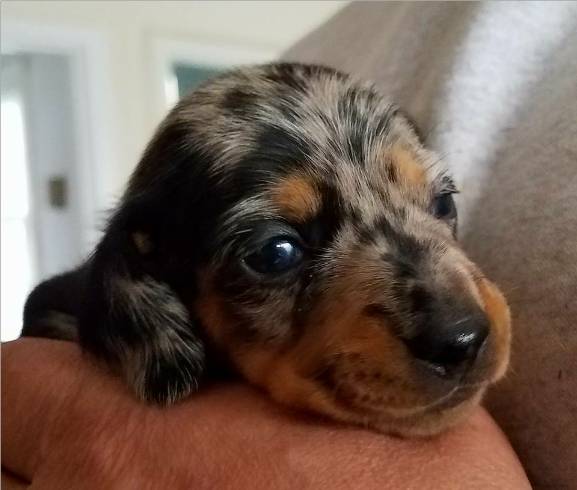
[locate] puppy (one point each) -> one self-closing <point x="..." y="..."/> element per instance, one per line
<point x="286" y="220"/>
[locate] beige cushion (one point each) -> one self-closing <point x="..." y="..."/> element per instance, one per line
<point x="494" y="88"/>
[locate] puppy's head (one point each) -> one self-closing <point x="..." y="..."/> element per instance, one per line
<point x="310" y="237"/>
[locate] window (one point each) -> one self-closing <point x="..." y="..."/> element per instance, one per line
<point x="179" y="67"/>
<point x="189" y="76"/>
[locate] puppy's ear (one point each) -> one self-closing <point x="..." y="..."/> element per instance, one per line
<point x="133" y="312"/>
<point x="133" y="317"/>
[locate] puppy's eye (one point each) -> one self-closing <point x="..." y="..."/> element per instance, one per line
<point x="276" y="256"/>
<point x="443" y="206"/>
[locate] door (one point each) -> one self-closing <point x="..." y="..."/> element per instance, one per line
<point x="41" y="228"/>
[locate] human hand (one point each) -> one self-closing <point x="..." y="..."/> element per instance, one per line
<point x="68" y="423"/>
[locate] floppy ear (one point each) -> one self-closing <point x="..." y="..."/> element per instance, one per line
<point x="133" y="317"/>
<point x="132" y="313"/>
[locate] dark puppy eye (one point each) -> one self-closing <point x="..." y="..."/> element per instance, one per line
<point x="444" y="206"/>
<point x="276" y="256"/>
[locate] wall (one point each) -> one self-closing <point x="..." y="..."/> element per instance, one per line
<point x="128" y="31"/>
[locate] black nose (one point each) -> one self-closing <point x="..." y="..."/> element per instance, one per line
<point x="450" y="346"/>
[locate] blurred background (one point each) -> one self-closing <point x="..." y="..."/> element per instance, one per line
<point x="83" y="86"/>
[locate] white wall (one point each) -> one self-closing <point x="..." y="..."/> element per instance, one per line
<point x="128" y="32"/>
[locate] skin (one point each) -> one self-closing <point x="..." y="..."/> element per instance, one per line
<point x="69" y="423"/>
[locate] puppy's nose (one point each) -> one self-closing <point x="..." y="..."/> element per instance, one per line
<point x="450" y="346"/>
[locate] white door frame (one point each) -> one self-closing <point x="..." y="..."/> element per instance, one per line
<point x="86" y="51"/>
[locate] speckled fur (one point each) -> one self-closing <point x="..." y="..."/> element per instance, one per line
<point x="166" y="290"/>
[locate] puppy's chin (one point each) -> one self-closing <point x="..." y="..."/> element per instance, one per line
<point x="430" y="421"/>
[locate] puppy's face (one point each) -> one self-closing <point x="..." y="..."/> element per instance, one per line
<point x="311" y="236"/>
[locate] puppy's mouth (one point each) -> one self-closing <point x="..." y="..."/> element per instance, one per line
<point x="435" y="417"/>
<point x="423" y="403"/>
<point x="457" y="395"/>
<point x="367" y="399"/>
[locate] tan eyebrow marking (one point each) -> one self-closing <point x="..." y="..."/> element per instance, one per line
<point x="142" y="242"/>
<point x="296" y="196"/>
<point x="407" y="166"/>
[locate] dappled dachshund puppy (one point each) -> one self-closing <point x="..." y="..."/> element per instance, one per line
<point x="287" y="220"/>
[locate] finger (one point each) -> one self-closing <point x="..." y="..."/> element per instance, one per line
<point x="39" y="377"/>
<point x="12" y="482"/>
<point x="226" y="436"/>
<point x="245" y="442"/>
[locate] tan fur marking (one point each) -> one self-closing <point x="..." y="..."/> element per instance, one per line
<point x="407" y="166"/>
<point x="297" y="197"/>
<point x="500" y="317"/>
<point x="280" y="376"/>
<point x="210" y="310"/>
<point x="142" y="242"/>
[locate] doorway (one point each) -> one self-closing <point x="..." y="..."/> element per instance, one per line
<point x="40" y="210"/>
